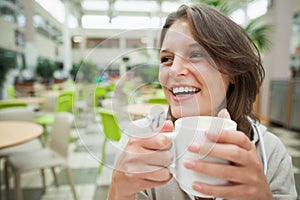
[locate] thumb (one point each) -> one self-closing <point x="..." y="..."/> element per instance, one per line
<point x="167" y="126"/>
<point x="224" y="114"/>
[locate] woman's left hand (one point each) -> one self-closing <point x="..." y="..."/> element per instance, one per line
<point x="245" y="173"/>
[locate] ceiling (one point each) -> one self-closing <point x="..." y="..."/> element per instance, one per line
<point x="120" y="13"/>
<point x="113" y="8"/>
<point x="109" y="7"/>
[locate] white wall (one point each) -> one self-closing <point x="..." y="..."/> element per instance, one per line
<point x="104" y="56"/>
<point x="7" y="36"/>
<point x="277" y="60"/>
<point x="45" y="47"/>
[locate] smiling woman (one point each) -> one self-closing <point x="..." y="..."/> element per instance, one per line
<point x="209" y="66"/>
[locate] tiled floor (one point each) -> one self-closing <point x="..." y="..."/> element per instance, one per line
<point x="84" y="161"/>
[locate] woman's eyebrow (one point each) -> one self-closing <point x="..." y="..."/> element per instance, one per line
<point x="191" y="45"/>
<point x="195" y="45"/>
<point x="165" y="50"/>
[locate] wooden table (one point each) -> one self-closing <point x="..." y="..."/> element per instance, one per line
<point x="18" y="132"/>
<point x="49" y="93"/>
<point x="143" y="109"/>
<point x="31" y="100"/>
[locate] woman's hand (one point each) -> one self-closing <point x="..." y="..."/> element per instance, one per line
<point x="143" y="164"/>
<point x="245" y="174"/>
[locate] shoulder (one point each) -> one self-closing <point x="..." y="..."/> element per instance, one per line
<point x="272" y="142"/>
<point x="279" y="165"/>
<point x="273" y="146"/>
<point x="272" y="151"/>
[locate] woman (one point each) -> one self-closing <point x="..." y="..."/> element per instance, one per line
<point x="208" y="63"/>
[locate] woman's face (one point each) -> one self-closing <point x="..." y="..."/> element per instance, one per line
<point x="190" y="79"/>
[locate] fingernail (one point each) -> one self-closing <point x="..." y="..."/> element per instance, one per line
<point x="189" y="163"/>
<point x="163" y="140"/>
<point x="195" y="146"/>
<point x="196" y="186"/>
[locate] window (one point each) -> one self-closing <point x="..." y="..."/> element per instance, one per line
<point x="134" y="43"/>
<point x="19" y="38"/>
<point x="76" y="41"/>
<point x="44" y="28"/>
<point x="102" y="43"/>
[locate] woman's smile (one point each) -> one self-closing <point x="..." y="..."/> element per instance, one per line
<point x="183" y="91"/>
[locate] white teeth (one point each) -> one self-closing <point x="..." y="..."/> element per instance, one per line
<point x="186" y="90"/>
<point x="175" y="90"/>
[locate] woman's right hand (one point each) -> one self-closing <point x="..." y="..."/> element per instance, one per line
<point x="142" y="165"/>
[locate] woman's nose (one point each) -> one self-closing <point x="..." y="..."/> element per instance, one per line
<point x="179" y="66"/>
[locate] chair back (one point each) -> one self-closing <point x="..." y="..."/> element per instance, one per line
<point x="111" y="87"/>
<point x="65" y="102"/>
<point x="110" y="124"/>
<point x="17" y="114"/>
<point x="100" y="93"/>
<point x="9" y="104"/>
<point x="49" y="104"/>
<point x="60" y="133"/>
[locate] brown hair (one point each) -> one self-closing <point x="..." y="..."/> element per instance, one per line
<point x="228" y="44"/>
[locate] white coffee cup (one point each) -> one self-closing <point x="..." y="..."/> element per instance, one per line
<point x="187" y="131"/>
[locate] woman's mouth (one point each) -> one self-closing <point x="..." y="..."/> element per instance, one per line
<point x="184" y="91"/>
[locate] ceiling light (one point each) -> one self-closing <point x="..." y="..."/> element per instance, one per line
<point x="95" y="5"/>
<point x="257" y="8"/>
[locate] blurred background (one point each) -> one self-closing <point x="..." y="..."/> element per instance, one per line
<point x="82" y="48"/>
<point x="45" y="41"/>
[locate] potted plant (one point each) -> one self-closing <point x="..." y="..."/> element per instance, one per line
<point x="45" y="69"/>
<point x="7" y="62"/>
<point x="85" y="71"/>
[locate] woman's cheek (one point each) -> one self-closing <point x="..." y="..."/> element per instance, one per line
<point x="162" y="75"/>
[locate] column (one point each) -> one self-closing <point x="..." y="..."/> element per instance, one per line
<point x="67" y="46"/>
<point x="277" y="59"/>
<point x="30" y="45"/>
<point x="123" y="64"/>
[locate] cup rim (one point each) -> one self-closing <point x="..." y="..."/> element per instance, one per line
<point x="232" y="123"/>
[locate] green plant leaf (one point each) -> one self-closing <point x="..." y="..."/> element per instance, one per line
<point x="257" y="31"/>
<point x="260" y="33"/>
<point x="221" y="5"/>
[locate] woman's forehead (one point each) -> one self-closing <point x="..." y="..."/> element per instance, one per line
<point x="181" y="27"/>
<point x="179" y="33"/>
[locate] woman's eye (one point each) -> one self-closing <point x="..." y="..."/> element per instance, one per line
<point x="196" y="54"/>
<point x="166" y="59"/>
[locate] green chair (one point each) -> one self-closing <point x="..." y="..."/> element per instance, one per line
<point x="111" y="131"/>
<point x="111" y="87"/>
<point x="99" y="94"/>
<point x="12" y="103"/>
<point x="45" y="121"/>
<point x="64" y="104"/>
<point x="158" y="100"/>
<point x="55" y="88"/>
<point x="11" y="92"/>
